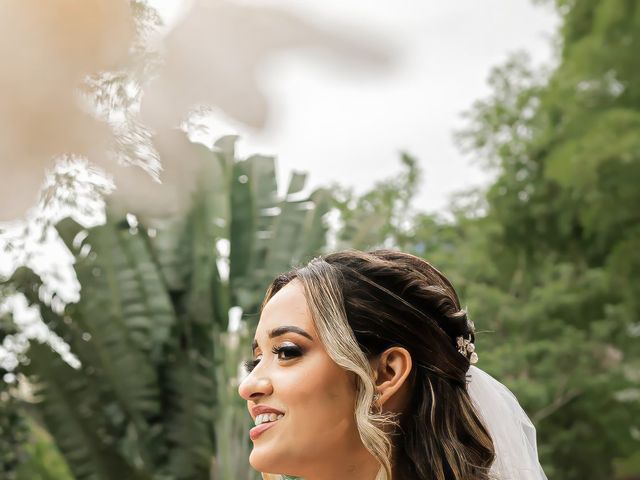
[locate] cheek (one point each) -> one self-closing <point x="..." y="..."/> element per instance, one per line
<point x="320" y="397"/>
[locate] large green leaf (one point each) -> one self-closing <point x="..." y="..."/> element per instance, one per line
<point x="71" y="410"/>
<point x="189" y="418"/>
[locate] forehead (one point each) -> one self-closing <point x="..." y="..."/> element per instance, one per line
<point x="287" y="307"/>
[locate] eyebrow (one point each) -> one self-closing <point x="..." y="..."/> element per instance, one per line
<point x="277" y="332"/>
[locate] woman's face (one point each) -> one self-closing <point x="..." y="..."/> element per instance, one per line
<point x="308" y="399"/>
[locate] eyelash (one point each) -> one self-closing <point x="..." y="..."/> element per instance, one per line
<point x="291" y="351"/>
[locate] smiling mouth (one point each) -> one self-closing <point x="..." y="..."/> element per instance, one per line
<point x="267" y="417"/>
<point x="264" y="422"/>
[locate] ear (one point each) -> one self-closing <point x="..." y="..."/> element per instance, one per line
<point x="391" y="370"/>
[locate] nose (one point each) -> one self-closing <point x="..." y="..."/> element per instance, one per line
<point x="254" y="386"/>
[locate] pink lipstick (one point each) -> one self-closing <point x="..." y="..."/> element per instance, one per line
<point x="255" y="432"/>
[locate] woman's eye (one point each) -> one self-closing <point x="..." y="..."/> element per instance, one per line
<point x="287" y="352"/>
<point x="249" y="365"/>
<point x="284" y="352"/>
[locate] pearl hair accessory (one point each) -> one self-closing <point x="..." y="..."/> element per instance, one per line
<point x="466" y="347"/>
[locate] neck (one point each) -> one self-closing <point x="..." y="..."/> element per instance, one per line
<point x="359" y="466"/>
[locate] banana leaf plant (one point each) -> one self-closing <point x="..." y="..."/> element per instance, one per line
<point x="155" y="395"/>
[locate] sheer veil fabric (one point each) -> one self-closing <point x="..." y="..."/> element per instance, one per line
<point x="513" y="434"/>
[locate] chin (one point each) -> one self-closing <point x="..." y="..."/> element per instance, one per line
<point x="266" y="460"/>
<point x="263" y="459"/>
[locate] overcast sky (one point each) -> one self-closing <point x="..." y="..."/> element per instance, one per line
<point x="348" y="125"/>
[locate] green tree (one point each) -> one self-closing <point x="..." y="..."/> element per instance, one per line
<point x="382" y="215"/>
<point x="154" y="394"/>
<point x="13" y="428"/>
<point x="560" y="287"/>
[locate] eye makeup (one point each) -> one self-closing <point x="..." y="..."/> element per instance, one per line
<point x="249" y="365"/>
<point x="285" y="351"/>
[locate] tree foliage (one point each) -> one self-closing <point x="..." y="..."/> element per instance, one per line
<point x="561" y="231"/>
<point x="154" y="396"/>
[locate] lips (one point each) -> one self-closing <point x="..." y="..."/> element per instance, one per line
<point x="256" y="410"/>
<point x="260" y="409"/>
<point x="255" y="432"/>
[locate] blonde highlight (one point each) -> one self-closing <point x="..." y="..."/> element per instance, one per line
<point x="326" y="303"/>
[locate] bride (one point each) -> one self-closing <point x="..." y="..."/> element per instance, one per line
<point x="362" y="370"/>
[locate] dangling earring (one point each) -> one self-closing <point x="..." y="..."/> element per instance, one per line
<point x="376" y="397"/>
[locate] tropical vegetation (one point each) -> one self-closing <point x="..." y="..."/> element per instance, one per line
<point x="161" y="327"/>
<point x="545" y="259"/>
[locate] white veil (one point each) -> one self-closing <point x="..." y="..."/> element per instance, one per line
<point x="513" y="434"/>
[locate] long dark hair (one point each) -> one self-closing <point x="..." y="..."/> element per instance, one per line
<point x="389" y="298"/>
